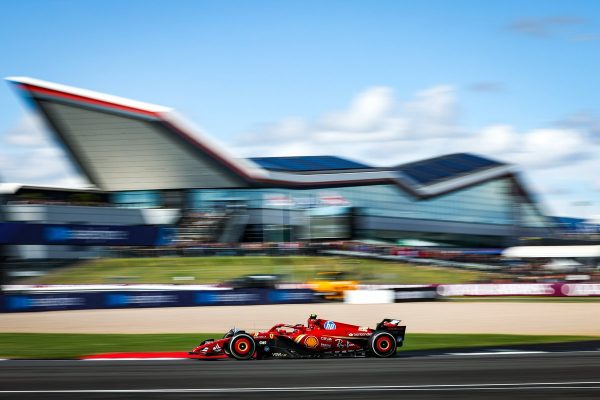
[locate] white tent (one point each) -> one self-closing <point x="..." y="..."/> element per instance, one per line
<point x="552" y="252"/>
<point x="562" y="265"/>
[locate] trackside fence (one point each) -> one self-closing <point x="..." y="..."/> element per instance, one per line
<point x="28" y="301"/>
<point x="56" y="301"/>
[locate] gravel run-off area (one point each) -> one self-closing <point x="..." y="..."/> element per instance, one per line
<point x="535" y="318"/>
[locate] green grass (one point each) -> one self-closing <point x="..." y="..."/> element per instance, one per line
<point x="72" y="345"/>
<point x="218" y="269"/>
<point x="56" y="345"/>
<point x="434" y="341"/>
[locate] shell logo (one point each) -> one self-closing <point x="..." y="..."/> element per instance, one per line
<point x="311" y="342"/>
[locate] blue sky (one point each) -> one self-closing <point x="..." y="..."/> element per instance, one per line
<point x="509" y="79"/>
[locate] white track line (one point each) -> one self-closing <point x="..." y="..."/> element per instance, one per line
<point x="457" y="387"/>
<point x="497" y="353"/>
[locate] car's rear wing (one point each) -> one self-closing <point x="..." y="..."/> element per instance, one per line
<point x="388" y="324"/>
<point x="393" y="326"/>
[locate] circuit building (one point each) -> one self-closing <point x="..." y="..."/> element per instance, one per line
<point x="144" y="156"/>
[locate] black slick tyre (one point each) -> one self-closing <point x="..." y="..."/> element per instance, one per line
<point x="382" y="344"/>
<point x="241" y="346"/>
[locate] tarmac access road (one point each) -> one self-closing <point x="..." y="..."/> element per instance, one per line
<point x="501" y="375"/>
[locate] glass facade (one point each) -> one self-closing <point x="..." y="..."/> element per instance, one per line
<point x="532" y="218"/>
<point x="488" y="203"/>
<point x="137" y="199"/>
<point x="492" y="202"/>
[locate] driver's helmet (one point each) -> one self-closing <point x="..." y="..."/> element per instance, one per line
<point x="312" y="321"/>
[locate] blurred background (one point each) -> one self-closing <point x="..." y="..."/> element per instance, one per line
<point x="346" y="149"/>
<point x="433" y="162"/>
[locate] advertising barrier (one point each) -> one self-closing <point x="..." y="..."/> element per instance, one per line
<point x="407" y="292"/>
<point x="521" y="289"/>
<point x="83" y="235"/>
<point x="143" y="299"/>
<point x="423" y="293"/>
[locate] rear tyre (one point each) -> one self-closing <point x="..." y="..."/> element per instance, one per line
<point x="241" y="346"/>
<point x="382" y="344"/>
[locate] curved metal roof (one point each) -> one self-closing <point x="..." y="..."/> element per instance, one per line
<point x="122" y="144"/>
<point x="308" y="163"/>
<point x="426" y="172"/>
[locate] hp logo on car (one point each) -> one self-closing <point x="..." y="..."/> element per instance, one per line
<point x="330" y="325"/>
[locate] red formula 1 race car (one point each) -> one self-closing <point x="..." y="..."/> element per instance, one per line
<point x="319" y="338"/>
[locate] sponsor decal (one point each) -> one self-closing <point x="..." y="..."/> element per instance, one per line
<point x="226" y="297"/>
<point x="267" y="348"/>
<point x="32" y="233"/>
<point x="326" y="339"/>
<point x="330" y="325"/>
<point x="360" y="334"/>
<point x="581" y="289"/>
<point x="61" y="234"/>
<point x="311" y="342"/>
<point x="363" y="329"/>
<point x="271" y="335"/>
<point x="350" y="334"/>
<point x="217" y="348"/>
<point x="415" y="294"/>
<point x="333" y="199"/>
<point x="27" y="302"/>
<point x="282" y="296"/>
<point x="262" y="342"/>
<point x="325" y="346"/>
<point x="205" y="350"/>
<point x="278" y="200"/>
<point x="497" y="289"/>
<point x="340" y="344"/>
<point x="139" y="299"/>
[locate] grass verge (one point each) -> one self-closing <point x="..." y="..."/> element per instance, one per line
<point x="217" y="269"/>
<point x="62" y="346"/>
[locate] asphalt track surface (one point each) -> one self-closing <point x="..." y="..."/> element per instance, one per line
<point x="562" y="375"/>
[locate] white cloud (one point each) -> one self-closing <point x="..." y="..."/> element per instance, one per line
<point x="380" y="129"/>
<point x="500" y="139"/>
<point x="433" y="112"/>
<point x="31" y="157"/>
<point x="29" y="131"/>
<point x="366" y="112"/>
<point x="373" y="117"/>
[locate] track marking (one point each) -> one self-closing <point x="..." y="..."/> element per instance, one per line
<point x="456" y="387"/>
<point x="134" y="359"/>
<point x="497" y="353"/>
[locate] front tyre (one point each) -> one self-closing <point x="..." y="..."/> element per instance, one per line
<point x="382" y="344"/>
<point x="241" y="347"/>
